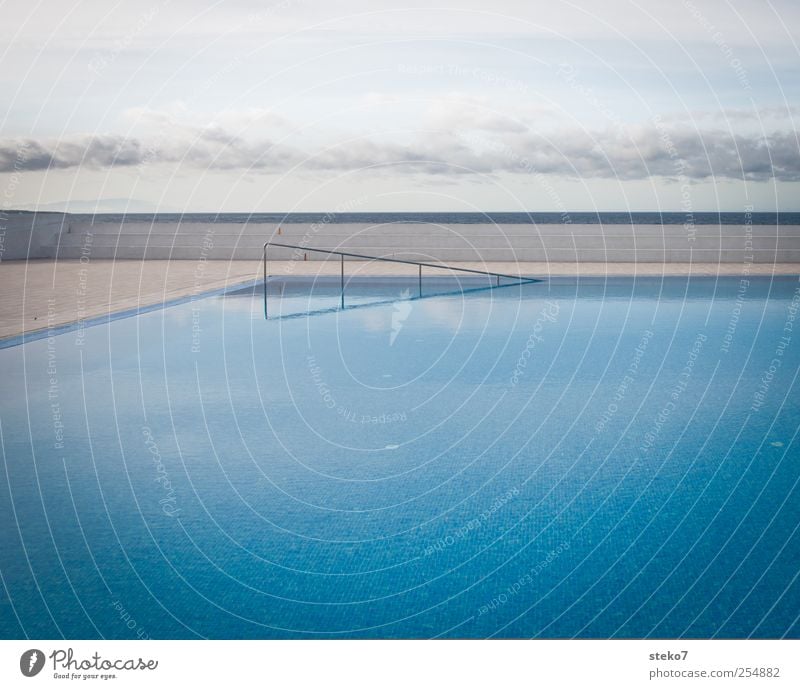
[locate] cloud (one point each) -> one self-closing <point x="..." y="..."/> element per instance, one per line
<point x="92" y="151"/>
<point x="210" y="148"/>
<point x="636" y="153"/>
<point x="464" y="111"/>
<point x="771" y="115"/>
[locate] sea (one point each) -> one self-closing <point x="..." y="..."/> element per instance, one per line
<point x="505" y="218"/>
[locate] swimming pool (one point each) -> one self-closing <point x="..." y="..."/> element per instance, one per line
<point x="573" y="458"/>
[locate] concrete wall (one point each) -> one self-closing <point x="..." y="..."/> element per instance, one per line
<point x="30" y="235"/>
<point x="59" y="235"/>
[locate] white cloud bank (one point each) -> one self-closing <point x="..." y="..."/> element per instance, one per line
<point x="637" y="153"/>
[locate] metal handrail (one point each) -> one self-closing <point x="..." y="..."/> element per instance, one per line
<point x="520" y="279"/>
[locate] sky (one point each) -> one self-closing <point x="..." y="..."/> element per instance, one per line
<point x="308" y="105"/>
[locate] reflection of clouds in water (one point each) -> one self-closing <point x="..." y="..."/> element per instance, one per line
<point x="192" y="313"/>
<point x="246" y="305"/>
<point x="445" y="313"/>
<point x="375" y="320"/>
<point x="475" y="311"/>
<point x="383" y="317"/>
<point x="449" y="314"/>
<point x="467" y="311"/>
<point x="182" y="317"/>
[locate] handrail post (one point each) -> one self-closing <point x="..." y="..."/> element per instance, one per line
<point x="265" y="282"/>
<point x="342" y="281"/>
<point x="420" y="279"/>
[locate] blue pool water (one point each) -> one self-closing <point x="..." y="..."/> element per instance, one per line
<point x="593" y="458"/>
